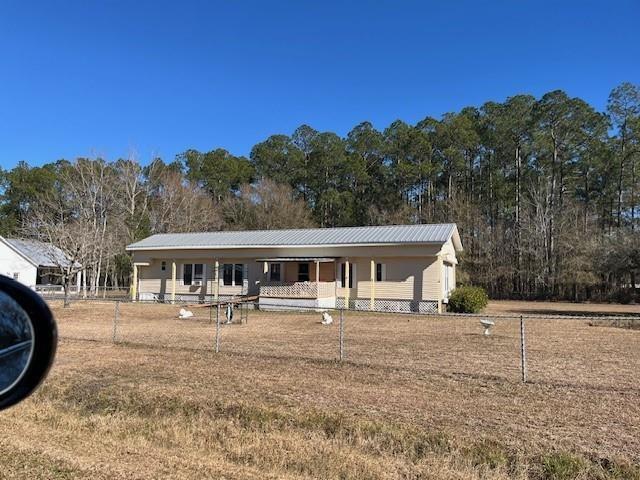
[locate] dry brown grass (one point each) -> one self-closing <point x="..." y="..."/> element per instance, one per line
<point x="418" y="398"/>
<point x="518" y="307"/>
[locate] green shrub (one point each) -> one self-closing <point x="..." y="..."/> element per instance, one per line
<point x="468" y="300"/>
<point x="624" y="296"/>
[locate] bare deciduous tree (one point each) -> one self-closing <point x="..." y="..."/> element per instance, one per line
<point x="65" y="238"/>
<point x="265" y="206"/>
<point x="181" y="206"/>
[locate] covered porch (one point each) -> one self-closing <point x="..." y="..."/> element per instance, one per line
<point x="49" y="281"/>
<point x="298" y="281"/>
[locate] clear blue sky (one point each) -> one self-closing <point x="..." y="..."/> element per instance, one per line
<point x="84" y="77"/>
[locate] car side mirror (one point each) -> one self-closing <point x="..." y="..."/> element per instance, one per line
<point x="28" y="340"/>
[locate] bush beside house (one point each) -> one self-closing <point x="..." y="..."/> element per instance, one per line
<point x="468" y="300"/>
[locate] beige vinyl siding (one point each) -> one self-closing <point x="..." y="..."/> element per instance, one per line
<point x="153" y="280"/>
<point x="432" y="280"/>
<point x="327" y="272"/>
<point x="290" y="272"/>
<point x="406" y="279"/>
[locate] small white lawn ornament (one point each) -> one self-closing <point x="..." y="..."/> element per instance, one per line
<point x="229" y="313"/>
<point x="184" y="313"/>
<point x="326" y="319"/>
<point x="487" y="324"/>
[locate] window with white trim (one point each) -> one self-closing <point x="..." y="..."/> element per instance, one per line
<point x="343" y="275"/>
<point x="232" y="274"/>
<point x="192" y="273"/>
<point x="275" y="272"/>
<point x="303" y="272"/>
<point x="238" y="274"/>
<point x="381" y="272"/>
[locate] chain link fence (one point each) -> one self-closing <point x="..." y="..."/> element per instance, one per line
<point x="601" y="352"/>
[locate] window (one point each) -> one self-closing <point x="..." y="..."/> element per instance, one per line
<point x="163" y="266"/>
<point x="303" y="272"/>
<point x="238" y="273"/>
<point x="187" y="274"/>
<point x="227" y="274"/>
<point x="381" y="272"/>
<point x="275" y="270"/>
<point x="198" y="272"/>
<point x="192" y="273"/>
<point x="232" y="274"/>
<point x="343" y="274"/>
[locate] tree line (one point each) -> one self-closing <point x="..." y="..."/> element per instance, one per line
<point x="544" y="192"/>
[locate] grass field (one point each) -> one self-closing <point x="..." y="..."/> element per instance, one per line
<point x="417" y="397"/>
<point x="509" y="307"/>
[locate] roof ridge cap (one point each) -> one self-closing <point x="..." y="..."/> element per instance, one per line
<point x="303" y="229"/>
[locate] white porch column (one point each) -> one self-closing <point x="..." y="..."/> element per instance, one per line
<point x="317" y="279"/>
<point x="346" y="282"/>
<point x="440" y="282"/>
<point x="134" y="283"/>
<point x="372" y="295"/>
<point x="216" y="278"/>
<point x="173" y="281"/>
<point x="84" y="283"/>
<point x="78" y="281"/>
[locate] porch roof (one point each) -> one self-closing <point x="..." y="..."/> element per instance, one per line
<point x="298" y="259"/>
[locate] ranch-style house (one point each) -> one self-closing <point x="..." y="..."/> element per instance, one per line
<point x="408" y="268"/>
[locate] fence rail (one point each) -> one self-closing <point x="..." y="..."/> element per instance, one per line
<point x="598" y="351"/>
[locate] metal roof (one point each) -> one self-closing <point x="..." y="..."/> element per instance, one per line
<point x="343" y="236"/>
<point x="39" y="253"/>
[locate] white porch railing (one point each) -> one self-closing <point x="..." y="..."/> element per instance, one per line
<point x="50" y="289"/>
<point x="298" y="289"/>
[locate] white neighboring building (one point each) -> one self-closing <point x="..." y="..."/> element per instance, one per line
<point x="34" y="264"/>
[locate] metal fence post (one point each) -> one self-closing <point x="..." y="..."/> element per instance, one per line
<point x="116" y="314"/>
<point x="523" y="351"/>
<point x="218" y="328"/>
<point x="341" y="334"/>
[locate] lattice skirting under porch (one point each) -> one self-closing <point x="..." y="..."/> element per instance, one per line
<point x="386" y="305"/>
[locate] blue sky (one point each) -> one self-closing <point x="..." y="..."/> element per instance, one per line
<point x="86" y="78"/>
